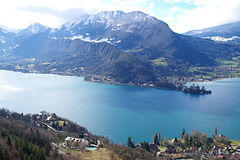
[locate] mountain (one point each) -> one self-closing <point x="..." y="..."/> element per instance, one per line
<point x="96" y="58"/>
<point x="34" y="28"/>
<point x="7" y="41"/>
<point x="134" y="31"/>
<point x="226" y="32"/>
<point x="114" y="46"/>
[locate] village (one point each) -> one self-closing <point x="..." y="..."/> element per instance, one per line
<point x="190" y="146"/>
<point x="77" y="141"/>
<point x="173" y="150"/>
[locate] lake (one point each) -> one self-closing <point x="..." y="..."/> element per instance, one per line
<point x="117" y="111"/>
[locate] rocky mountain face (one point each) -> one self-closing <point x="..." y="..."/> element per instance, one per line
<point x="131" y="32"/>
<point x="226" y="32"/>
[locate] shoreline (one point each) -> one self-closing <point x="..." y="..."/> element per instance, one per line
<point x="143" y="85"/>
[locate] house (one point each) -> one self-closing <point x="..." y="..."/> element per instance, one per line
<point x="87" y="135"/>
<point x="49" y="118"/>
<point x="238" y="149"/>
<point x="188" y="152"/>
<point x="194" y="149"/>
<point x="202" y="150"/>
<point x="220" y="157"/>
<point x="215" y="148"/>
<point x="159" y="154"/>
<point x="75" y="143"/>
<point x="226" y="151"/>
<point x="174" y="141"/>
<point x="221" y="135"/>
<point x="220" y="152"/>
<point x="235" y="156"/>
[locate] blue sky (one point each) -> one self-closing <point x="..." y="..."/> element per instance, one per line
<point x="181" y="15"/>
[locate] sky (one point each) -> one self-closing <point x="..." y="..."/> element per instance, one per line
<point x="181" y="15"/>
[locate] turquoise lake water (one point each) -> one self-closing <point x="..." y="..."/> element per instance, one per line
<point x="121" y="111"/>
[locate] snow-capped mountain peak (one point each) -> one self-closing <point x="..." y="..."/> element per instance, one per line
<point x="34" y="28"/>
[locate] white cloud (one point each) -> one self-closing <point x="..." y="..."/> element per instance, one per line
<point x="177" y="9"/>
<point x="206" y="13"/>
<point x="15" y="14"/>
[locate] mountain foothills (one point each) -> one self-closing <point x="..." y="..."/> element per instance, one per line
<point x="120" y="48"/>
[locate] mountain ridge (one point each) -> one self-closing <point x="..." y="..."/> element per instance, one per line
<point x="225" y="32"/>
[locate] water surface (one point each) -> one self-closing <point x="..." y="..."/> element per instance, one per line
<point x="121" y="111"/>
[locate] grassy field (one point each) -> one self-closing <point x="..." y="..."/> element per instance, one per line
<point x="97" y="154"/>
<point x="226" y="68"/>
<point x="160" y="61"/>
<point x="235" y="143"/>
<point x="62" y="122"/>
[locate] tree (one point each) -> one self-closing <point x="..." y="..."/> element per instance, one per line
<point x="208" y="142"/>
<point x="156" y="141"/>
<point x="191" y="141"/>
<point x="215" y="132"/>
<point x="145" y="145"/>
<point x="4" y="153"/>
<point x="9" y="142"/>
<point x="34" y="117"/>
<point x="183" y="132"/>
<point x="159" y="136"/>
<point x="175" y="139"/>
<point x="130" y="143"/>
<point x="54" y="115"/>
<point x="185" y="137"/>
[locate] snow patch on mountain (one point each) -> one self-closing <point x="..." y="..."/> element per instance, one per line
<point x="222" y="39"/>
<point x="3" y="31"/>
<point x="2" y="41"/>
<point x="88" y="39"/>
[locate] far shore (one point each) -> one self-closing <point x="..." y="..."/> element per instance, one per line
<point x="113" y="82"/>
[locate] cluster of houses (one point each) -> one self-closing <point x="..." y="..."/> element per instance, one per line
<point x="79" y="143"/>
<point x="75" y="143"/>
<point x="229" y="152"/>
<point x="215" y="152"/>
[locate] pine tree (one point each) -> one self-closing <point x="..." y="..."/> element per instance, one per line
<point x="130" y="143"/>
<point x="183" y="132"/>
<point x="216" y="132"/>
<point x="191" y="141"/>
<point x="6" y="155"/>
<point x="159" y="136"/>
<point x="185" y="137"/>
<point x="145" y="145"/>
<point x="9" y="142"/>
<point x="156" y="139"/>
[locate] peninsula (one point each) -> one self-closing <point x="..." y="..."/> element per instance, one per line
<point x="196" y="90"/>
